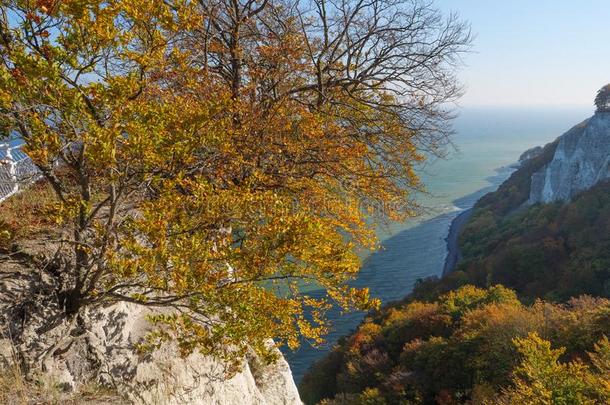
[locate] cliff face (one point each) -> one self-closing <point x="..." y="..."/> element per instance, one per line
<point x="581" y="160"/>
<point x="104" y="351"/>
<point x="100" y="346"/>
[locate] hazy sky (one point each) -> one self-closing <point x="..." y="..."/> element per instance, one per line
<point x="535" y="52"/>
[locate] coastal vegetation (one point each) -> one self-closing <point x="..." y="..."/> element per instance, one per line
<point x="471" y="345"/>
<point x="551" y="251"/>
<point x="522" y="319"/>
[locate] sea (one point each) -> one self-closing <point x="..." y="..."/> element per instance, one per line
<point x="488" y="142"/>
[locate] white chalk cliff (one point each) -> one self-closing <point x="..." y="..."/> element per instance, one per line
<point x="581" y="160"/>
<point x="104" y="352"/>
<point x="99" y="346"/>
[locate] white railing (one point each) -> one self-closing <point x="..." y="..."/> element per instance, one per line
<point x="17" y="170"/>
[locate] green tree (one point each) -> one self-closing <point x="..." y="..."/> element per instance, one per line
<point x="458" y="302"/>
<point x="602" y="100"/>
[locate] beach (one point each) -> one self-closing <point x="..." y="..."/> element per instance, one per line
<point x="453" y="249"/>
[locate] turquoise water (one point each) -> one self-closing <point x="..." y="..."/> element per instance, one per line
<point x="488" y="141"/>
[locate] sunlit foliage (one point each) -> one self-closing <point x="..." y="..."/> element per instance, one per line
<point x="219" y="158"/>
<point x="542" y="379"/>
<point x="469" y="347"/>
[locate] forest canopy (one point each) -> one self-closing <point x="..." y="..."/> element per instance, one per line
<point x="471" y="346"/>
<point x="216" y="157"/>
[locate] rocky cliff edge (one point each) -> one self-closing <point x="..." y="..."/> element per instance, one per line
<point x="581" y="160"/>
<point x="99" y="346"/>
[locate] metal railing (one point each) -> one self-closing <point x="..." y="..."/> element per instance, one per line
<point x="17" y="170"/>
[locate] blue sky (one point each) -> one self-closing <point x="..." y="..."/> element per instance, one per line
<point x="543" y="53"/>
<point x="536" y="52"/>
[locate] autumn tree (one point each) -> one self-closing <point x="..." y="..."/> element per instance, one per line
<point x="602" y="100"/>
<point x="543" y="379"/>
<point x="220" y="158"/>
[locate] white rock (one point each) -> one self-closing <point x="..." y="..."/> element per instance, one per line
<point x="581" y="160"/>
<point x="99" y="347"/>
<point x="105" y="352"/>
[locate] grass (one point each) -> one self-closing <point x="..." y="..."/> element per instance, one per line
<point x="15" y="389"/>
<point x="27" y="213"/>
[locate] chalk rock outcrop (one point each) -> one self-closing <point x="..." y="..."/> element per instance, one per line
<point x="99" y="346"/>
<point x="581" y="160"/>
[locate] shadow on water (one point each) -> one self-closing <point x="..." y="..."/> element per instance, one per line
<point x="391" y="272"/>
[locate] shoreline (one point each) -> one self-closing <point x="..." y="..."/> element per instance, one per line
<point x="410" y="254"/>
<point x="457" y="224"/>
<point x="453" y="249"/>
